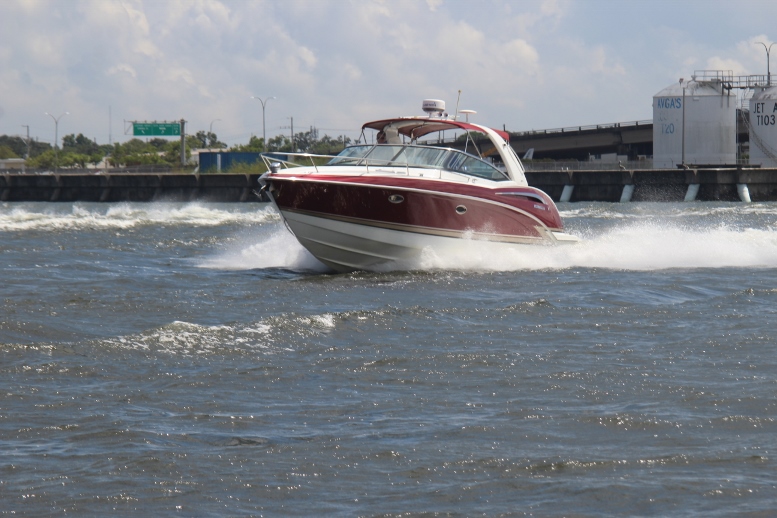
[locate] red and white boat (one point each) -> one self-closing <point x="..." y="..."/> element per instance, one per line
<point x="388" y="202"/>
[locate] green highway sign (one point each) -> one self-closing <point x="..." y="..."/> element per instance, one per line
<point x="156" y="129"/>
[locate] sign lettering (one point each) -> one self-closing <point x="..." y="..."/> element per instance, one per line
<point x="156" y="129"/>
<point x="669" y="102"/>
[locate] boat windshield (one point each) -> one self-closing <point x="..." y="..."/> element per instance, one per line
<point x="351" y="155"/>
<point x="418" y="156"/>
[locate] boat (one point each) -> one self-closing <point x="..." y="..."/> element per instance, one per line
<point x="388" y="201"/>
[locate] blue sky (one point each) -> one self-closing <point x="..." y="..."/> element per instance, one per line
<point x="335" y="64"/>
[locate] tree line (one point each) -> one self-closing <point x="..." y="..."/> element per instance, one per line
<point x="80" y="151"/>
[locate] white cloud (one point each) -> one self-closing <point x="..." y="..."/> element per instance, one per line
<point x="335" y="64"/>
<point x="433" y="4"/>
<point x="123" y="68"/>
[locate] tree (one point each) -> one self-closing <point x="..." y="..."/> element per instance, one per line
<point x="305" y="140"/>
<point x="15" y="145"/>
<point x="96" y="158"/>
<point x="279" y="143"/>
<point x="79" y="144"/>
<point x="255" y="145"/>
<point x="206" y="139"/>
<point x="328" y="145"/>
<point x="19" y="145"/>
<point x="160" y="144"/>
<point x="73" y="160"/>
<point x="172" y="154"/>
<point x="7" y="152"/>
<point x="45" y="160"/>
<point x="134" y="152"/>
<point x="136" y="146"/>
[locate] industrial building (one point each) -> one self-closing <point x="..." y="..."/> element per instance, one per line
<point x="712" y="119"/>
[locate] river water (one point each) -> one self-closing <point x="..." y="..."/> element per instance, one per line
<point x="194" y="360"/>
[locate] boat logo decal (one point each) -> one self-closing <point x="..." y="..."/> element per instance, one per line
<point x="396" y="198"/>
<point x="461" y="209"/>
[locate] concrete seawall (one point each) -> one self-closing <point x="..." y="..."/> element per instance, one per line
<point x="608" y="186"/>
<point x="658" y="185"/>
<point x="107" y="187"/>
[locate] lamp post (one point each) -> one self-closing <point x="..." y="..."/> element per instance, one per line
<point x="56" y="138"/>
<point x="264" y="133"/>
<point x="683" y="137"/>
<point x="768" y="72"/>
<point x="292" y="134"/>
<point x="210" y="131"/>
<point x="27" y="153"/>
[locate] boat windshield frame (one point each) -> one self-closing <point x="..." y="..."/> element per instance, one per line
<point x="413" y="155"/>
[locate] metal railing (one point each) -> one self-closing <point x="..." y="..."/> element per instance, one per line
<point x="730" y="80"/>
<point x="584" y="165"/>
<point x="566" y="129"/>
<point x="592" y="127"/>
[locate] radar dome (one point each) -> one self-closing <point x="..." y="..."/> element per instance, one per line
<point x="433" y="107"/>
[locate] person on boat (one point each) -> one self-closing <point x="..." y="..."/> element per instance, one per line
<point x="392" y="135"/>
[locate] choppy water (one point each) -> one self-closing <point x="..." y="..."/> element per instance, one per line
<point x="192" y="359"/>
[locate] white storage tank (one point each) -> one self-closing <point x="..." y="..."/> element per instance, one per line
<point x="763" y="127"/>
<point x="694" y="122"/>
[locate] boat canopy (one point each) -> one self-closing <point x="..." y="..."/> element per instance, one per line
<point x="414" y="127"/>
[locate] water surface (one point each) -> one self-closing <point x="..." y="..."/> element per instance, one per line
<point x="193" y="359"/>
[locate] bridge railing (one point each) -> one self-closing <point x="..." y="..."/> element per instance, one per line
<point x="566" y="129"/>
<point x="629" y="165"/>
<point x="584" y="165"/>
<point x="592" y="127"/>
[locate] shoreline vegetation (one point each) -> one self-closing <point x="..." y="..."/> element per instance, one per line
<point x="78" y="152"/>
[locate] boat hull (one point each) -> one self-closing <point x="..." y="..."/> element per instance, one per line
<point x="347" y="246"/>
<point x="364" y="223"/>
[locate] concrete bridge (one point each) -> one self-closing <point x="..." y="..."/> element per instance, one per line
<point x="632" y="139"/>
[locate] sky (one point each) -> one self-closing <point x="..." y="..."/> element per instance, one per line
<point x="336" y="64"/>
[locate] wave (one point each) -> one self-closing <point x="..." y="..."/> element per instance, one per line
<point x="268" y="336"/>
<point x="272" y="246"/>
<point x="41" y="216"/>
<point x="636" y="236"/>
<point x="628" y="245"/>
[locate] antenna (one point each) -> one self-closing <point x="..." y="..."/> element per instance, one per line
<point x="456" y="115"/>
<point x="467" y="112"/>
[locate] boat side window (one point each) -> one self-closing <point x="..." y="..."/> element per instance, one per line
<point x="473" y="166"/>
<point x="350" y="155"/>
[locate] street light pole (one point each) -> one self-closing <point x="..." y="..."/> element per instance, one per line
<point x="292" y="134"/>
<point x="27" y="154"/>
<point x="56" y="138"/>
<point x="210" y="131"/>
<point x="768" y="72"/>
<point x="683" y="137"/>
<point x="264" y="133"/>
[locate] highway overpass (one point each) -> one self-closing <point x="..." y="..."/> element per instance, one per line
<point x="633" y="139"/>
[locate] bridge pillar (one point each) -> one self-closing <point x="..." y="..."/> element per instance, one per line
<point x="566" y="194"/>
